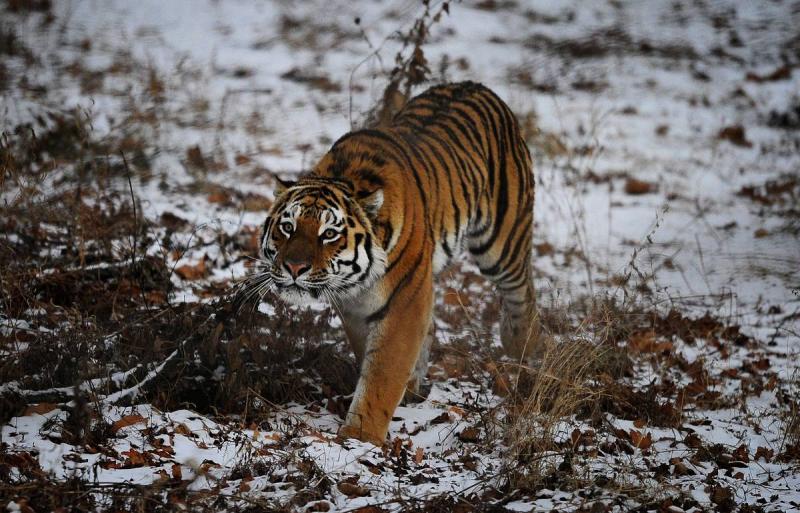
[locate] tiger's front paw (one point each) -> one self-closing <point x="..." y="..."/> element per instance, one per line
<point x="348" y="431"/>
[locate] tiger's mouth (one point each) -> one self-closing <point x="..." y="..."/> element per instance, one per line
<point x="297" y="293"/>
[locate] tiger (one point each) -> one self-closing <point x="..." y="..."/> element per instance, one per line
<point x="384" y="211"/>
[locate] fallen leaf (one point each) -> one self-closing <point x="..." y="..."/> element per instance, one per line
<point x="782" y="73"/>
<point x="135" y="458"/>
<point x="763" y="452"/>
<point x="693" y="441"/>
<point x="319" y="506"/>
<point x="192" y="272"/>
<point x="543" y="249"/>
<point x="455" y="410"/>
<point x="156" y="297"/>
<point x="735" y="134"/>
<point x="219" y="196"/>
<point x="194" y="156"/>
<point x="352" y="490"/>
<point x="172" y="221"/>
<point x="742" y="454"/>
<point x="419" y="455"/>
<point x="40" y="409"/>
<point x="679" y="467"/>
<point x="182" y="429"/>
<point x="640" y="441"/>
<point x="253" y="202"/>
<point x="722" y="496"/>
<point x="442" y="418"/>
<point x="645" y="342"/>
<point x="635" y="187"/>
<point x="470" y="435"/>
<point x="176" y="471"/>
<point x="126" y="421"/>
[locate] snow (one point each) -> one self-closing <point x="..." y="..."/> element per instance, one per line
<point x="196" y="48"/>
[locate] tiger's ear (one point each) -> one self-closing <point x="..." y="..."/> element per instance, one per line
<point x="371" y="202"/>
<point x="281" y="185"/>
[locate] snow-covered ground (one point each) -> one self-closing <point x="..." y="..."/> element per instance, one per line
<point x="666" y="139"/>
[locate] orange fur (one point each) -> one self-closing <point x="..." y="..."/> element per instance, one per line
<point x="451" y="170"/>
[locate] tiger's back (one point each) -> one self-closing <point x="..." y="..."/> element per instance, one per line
<point x="465" y="176"/>
<point x="451" y="171"/>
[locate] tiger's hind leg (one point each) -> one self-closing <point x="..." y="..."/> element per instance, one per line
<point x="507" y="263"/>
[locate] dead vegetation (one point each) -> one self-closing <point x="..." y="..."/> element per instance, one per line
<point x="84" y="300"/>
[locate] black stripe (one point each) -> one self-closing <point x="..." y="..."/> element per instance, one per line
<point x="381" y="312"/>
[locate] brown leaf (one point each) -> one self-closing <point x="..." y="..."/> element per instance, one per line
<point x="135" y="458"/>
<point x="543" y="249"/>
<point x="442" y="418"/>
<point x="176" y="471"/>
<point x="679" y="467"/>
<point x="219" y="196"/>
<point x="575" y="437"/>
<point x="735" y="134"/>
<point x="470" y="435"/>
<point x="782" y="73"/>
<point x="352" y="490"/>
<point x="172" y="221"/>
<point x="634" y="187"/>
<point x="419" y="455"/>
<point x="182" y="429"/>
<point x="693" y="441"/>
<point x="40" y="409"/>
<point x="194" y="156"/>
<point x="396" y="447"/>
<point x="643" y="442"/>
<point x="731" y="373"/>
<point x="319" y="506"/>
<point x="762" y="364"/>
<point x="127" y="420"/>
<point x="760" y="233"/>
<point x="742" y="454"/>
<point x="501" y="384"/>
<point x="156" y="297"/>
<point x="253" y="202"/>
<point x="763" y="452"/>
<point x="455" y="410"/>
<point x="645" y="342"/>
<point x="722" y="496"/>
<point x="696" y="387"/>
<point x="192" y="272"/>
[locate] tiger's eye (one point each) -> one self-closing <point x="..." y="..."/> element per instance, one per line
<point x="287" y="228"/>
<point x="329" y="234"/>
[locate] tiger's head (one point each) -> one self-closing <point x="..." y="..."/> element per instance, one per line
<point x="318" y="241"/>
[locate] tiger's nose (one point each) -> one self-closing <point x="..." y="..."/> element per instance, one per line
<point x="297" y="268"/>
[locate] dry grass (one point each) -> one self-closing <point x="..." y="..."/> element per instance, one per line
<point x="272" y="360"/>
<point x="552" y="391"/>
<point x="791" y="417"/>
